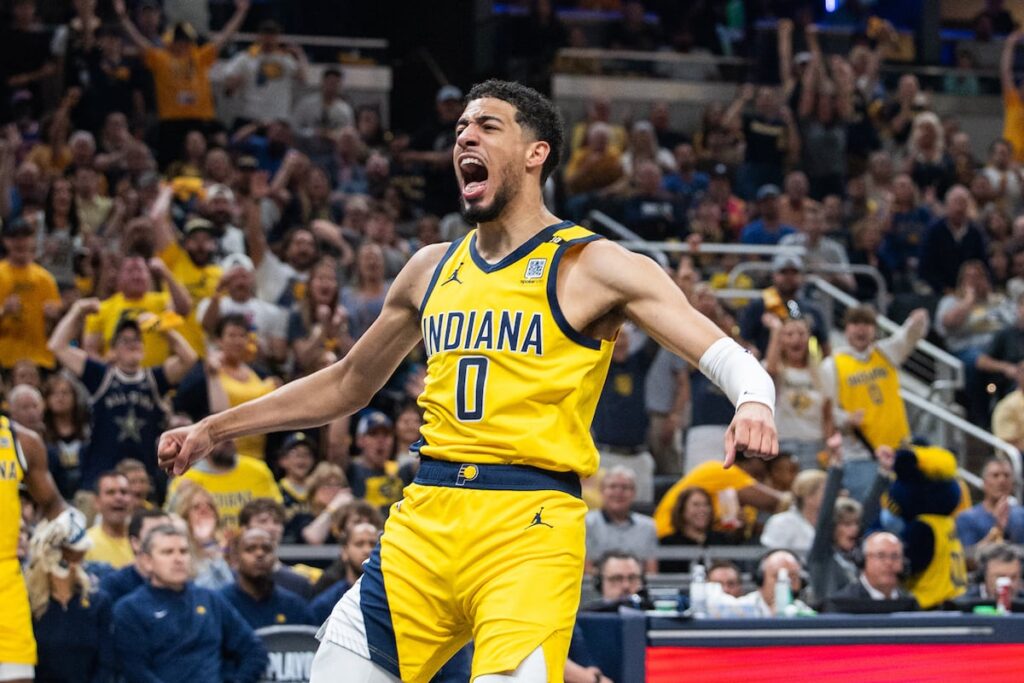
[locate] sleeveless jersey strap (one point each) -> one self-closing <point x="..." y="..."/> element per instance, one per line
<point x="552" y="287"/>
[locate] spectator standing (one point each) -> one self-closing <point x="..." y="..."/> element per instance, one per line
<point x="1004" y="174"/>
<point x="174" y="631"/>
<point x="950" y="242"/>
<point x="67" y="421"/>
<point x="767" y="229"/>
<point x="25" y="54"/>
<point x="927" y="160"/>
<point x="373" y="475"/>
<point x="996" y="518"/>
<point x="1013" y="103"/>
<point x="785" y="300"/>
<point x="181" y="77"/>
<point x="109" y="536"/>
<point x="29" y="297"/>
<point x="134" y="298"/>
<point x="908" y="223"/>
<point x="803" y="411"/>
<point x="324" y="113"/>
<point x="266" y="75"/>
<point x="254" y="595"/>
<point x="770" y="134"/>
<point x="296" y="460"/>
<point x="232" y="480"/>
<point x="364" y="298"/>
<point x="127" y="410"/>
<point x="70" y="619"/>
<point x="620" y="419"/>
<point x="616" y="527"/>
<point x="862" y="381"/>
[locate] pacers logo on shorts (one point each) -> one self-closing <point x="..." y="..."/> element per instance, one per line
<point x="467" y="473"/>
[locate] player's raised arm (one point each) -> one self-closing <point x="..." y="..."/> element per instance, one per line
<point x="338" y="390"/>
<point x="619" y="280"/>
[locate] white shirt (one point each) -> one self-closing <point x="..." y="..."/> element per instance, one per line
<point x="269" y="321"/>
<point x="273" y="275"/>
<point x="311" y="115"/>
<point x="267" y="83"/>
<point x="753" y="604"/>
<point x="788" y="530"/>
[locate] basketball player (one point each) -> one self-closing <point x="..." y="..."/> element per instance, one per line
<point x="23" y="459"/>
<point x="519" y="320"/>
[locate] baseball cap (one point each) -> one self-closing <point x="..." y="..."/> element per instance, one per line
<point x="802" y="57"/>
<point x="449" y="92"/>
<point x="373" y="420"/>
<point x="218" y="191"/>
<point x="297" y="439"/>
<point x="149" y="4"/>
<point x="768" y="191"/>
<point x="197" y="225"/>
<point x="720" y="171"/>
<point x="184" y="31"/>
<point x="237" y="261"/>
<point x="784" y="261"/>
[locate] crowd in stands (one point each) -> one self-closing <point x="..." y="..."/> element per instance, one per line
<point x="160" y="264"/>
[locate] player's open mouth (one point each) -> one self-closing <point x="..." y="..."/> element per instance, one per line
<point x="474" y="177"/>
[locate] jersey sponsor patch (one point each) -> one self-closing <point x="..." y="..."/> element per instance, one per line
<point x="535" y="268"/>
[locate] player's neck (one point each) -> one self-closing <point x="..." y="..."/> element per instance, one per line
<point x="519" y="222"/>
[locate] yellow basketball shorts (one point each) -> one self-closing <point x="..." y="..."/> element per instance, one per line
<point x="17" y="643"/>
<point x="492" y="553"/>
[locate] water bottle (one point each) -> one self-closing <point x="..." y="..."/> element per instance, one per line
<point x="698" y="592"/>
<point x="783" y="592"/>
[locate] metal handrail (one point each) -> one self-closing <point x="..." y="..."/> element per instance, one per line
<point x="320" y="41"/>
<point x="881" y="298"/>
<point x="714" y="248"/>
<point x="627" y="235"/>
<point x="641" y="56"/>
<point x="970" y="429"/>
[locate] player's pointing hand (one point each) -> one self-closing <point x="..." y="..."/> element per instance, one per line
<point x="752" y="432"/>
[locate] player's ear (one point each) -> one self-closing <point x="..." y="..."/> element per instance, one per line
<point x="536" y="154"/>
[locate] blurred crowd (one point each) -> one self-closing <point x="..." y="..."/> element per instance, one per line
<point x="161" y="263"/>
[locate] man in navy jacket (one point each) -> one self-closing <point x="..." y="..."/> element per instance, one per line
<point x="254" y="595"/>
<point x="170" y="630"/>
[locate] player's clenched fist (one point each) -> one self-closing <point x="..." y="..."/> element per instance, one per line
<point x="180" y="448"/>
<point x="752" y="432"/>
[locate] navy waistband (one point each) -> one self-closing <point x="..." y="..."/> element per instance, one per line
<point x="495" y="477"/>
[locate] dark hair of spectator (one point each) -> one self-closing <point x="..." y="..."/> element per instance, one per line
<point x="259" y="506"/>
<point x="79" y="411"/>
<point x="679" y="511"/>
<point x="123" y="325"/>
<point x="231" y="320"/>
<point x="533" y="111"/>
<point x="616" y="555"/>
<point x="48" y="211"/>
<point x="723" y="564"/>
<point x="140" y="516"/>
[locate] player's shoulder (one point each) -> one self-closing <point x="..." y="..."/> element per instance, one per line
<point x="605" y="261"/>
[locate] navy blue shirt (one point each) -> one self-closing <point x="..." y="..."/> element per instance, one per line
<point x="755" y="232"/>
<point x="280" y="607"/>
<point x="128" y="415"/>
<point x="620" y="418"/>
<point x="74" y="642"/>
<point x="323" y="604"/>
<point x="121" y="582"/>
<point x="187" y="636"/>
<point x="942" y="255"/>
<point x="710" y="405"/>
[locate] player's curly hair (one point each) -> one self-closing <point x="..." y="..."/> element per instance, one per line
<point x="533" y="111"/>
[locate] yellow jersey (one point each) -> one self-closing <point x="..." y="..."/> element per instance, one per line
<point x="201" y="283"/>
<point x="874" y="387"/>
<point x="23" y="334"/>
<point x="182" y="85"/>
<point x="12" y="472"/>
<point x="945" y="577"/>
<point x="112" y="309"/>
<point x="251" y="478"/>
<point x="1013" y="122"/>
<point x="509" y="381"/>
<point x="243" y="391"/>
<point x="117" y="552"/>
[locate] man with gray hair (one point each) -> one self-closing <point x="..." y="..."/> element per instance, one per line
<point x="172" y="630"/>
<point x="616" y="527"/>
<point x="881" y="568"/>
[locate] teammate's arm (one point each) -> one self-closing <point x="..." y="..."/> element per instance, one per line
<point x="40" y="484"/>
<point x="636" y="286"/>
<point x="340" y="389"/>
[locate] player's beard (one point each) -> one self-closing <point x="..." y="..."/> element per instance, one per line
<point x="485" y="214"/>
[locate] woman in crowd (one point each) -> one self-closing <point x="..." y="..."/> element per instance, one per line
<point x="364" y="299"/>
<point x="196" y="506"/>
<point x="802" y="411"/>
<point x="67" y="426"/>
<point x="71" y="621"/>
<point x="327" y="491"/>
<point x="230" y="381"/>
<point x="794" y="528"/>
<point x="58" y="235"/>
<point x="926" y="159"/>
<point x="317" y="325"/>
<point x="692" y="518"/>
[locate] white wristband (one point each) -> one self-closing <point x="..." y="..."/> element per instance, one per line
<point x="736" y="372"/>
